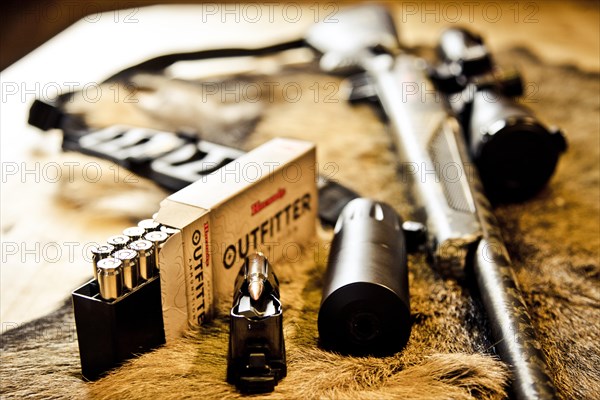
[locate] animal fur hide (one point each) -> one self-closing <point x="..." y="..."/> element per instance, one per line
<point x="553" y="240"/>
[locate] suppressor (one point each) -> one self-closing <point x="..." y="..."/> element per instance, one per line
<point x="366" y="307"/>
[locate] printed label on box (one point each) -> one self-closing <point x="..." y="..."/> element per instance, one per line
<point x="264" y="201"/>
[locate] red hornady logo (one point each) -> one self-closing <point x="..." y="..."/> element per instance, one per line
<point x="259" y="205"/>
<point x="206" y="243"/>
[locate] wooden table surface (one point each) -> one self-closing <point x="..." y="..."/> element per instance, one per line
<point x="44" y="242"/>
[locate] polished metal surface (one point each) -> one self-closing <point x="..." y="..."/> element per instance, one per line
<point x="365" y="306"/>
<point x="256" y="357"/>
<point x="134" y="232"/>
<point x="510" y="322"/>
<point x="119" y="241"/>
<point x="149" y="225"/>
<point x="362" y="28"/>
<point x="168" y="230"/>
<point x="158" y="239"/>
<point x="110" y="278"/>
<point x="257" y="275"/>
<point x="433" y="159"/>
<point x="98" y="253"/>
<point x="131" y="267"/>
<point x="145" y="250"/>
<point x="457" y="214"/>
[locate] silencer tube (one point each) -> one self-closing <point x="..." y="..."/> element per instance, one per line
<point x="365" y="307"/>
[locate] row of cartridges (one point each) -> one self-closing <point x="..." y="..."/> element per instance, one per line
<point x="126" y="261"/>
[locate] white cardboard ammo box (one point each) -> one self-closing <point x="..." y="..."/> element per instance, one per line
<point x="266" y="200"/>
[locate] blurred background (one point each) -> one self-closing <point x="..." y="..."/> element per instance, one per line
<point x="26" y="24"/>
<point x="93" y="39"/>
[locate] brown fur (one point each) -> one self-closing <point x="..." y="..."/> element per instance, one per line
<point x="553" y="240"/>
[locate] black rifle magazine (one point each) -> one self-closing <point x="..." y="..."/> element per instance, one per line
<point x="256" y="359"/>
<point x="111" y="332"/>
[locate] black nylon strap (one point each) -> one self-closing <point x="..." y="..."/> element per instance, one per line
<point x="159" y="63"/>
<point x="169" y="169"/>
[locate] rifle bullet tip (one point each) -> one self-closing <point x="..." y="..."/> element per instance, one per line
<point x="255" y="289"/>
